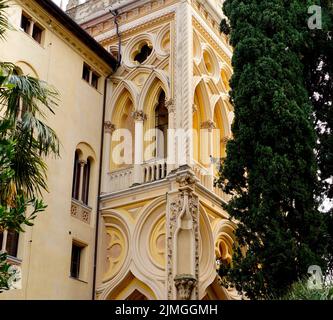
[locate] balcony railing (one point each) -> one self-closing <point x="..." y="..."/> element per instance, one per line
<point x="154" y="170"/>
<point x="203" y="174"/>
<point x="121" y="179"/>
<point x="81" y="211"/>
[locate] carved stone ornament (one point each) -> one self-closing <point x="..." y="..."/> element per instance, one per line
<point x="185" y="284"/>
<point x="170" y="105"/>
<point x="139" y="115"/>
<point x="210" y="125"/>
<point x="186" y="180"/>
<point x="109" y="127"/>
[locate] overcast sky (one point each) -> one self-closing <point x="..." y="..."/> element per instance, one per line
<point x="58" y="2"/>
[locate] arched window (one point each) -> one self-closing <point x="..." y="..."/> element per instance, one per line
<point x="86" y="181"/>
<point x="161" y="124"/>
<point x="81" y="178"/>
<point x="76" y="177"/>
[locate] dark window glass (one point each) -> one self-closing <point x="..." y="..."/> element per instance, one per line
<point x="162" y="124"/>
<point x="37" y="33"/>
<point x="25" y="23"/>
<point x="86" y="73"/>
<point x="75" y="261"/>
<point x="143" y="54"/>
<point x="76" y="178"/>
<point x="12" y="243"/>
<point x="86" y="181"/>
<point x="94" y="80"/>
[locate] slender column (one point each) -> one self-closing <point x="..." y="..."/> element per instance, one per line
<point x="4" y="240"/>
<point x="31" y="27"/>
<point x="210" y="125"/>
<point x="139" y="118"/>
<point x="82" y="164"/>
<point x="170" y="105"/>
<point x="183" y="86"/>
<point x="109" y="128"/>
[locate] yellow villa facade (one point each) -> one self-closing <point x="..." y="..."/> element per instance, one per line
<point x="132" y="209"/>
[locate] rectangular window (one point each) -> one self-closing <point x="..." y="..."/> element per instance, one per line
<point x="37" y="33"/>
<point x="76" y="260"/>
<point x="9" y="240"/>
<point x="86" y="73"/>
<point x="32" y="28"/>
<point x="90" y="76"/>
<point x="94" y="80"/>
<point x="25" y="23"/>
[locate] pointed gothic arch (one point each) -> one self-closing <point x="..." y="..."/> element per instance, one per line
<point x="150" y="102"/>
<point x="122" y="118"/>
<point x="131" y="288"/>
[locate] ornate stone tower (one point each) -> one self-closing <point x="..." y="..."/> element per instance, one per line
<point x="162" y="227"/>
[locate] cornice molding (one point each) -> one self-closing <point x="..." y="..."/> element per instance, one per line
<point x="53" y="26"/>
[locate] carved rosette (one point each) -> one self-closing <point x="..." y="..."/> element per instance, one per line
<point x="139" y="115"/>
<point x="185" y="284"/>
<point x="109" y="127"/>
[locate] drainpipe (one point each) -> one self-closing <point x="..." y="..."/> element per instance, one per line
<point x="99" y="186"/>
<point x="101" y="155"/>
<point x="116" y="15"/>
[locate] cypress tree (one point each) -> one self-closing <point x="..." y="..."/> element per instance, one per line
<point x="318" y="63"/>
<point x="270" y="169"/>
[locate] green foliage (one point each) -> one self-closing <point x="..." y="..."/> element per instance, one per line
<point x="301" y="291"/>
<point x="4" y="272"/>
<point x="20" y="92"/>
<point x="270" y="169"/>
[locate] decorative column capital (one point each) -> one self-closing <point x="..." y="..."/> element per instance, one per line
<point x="184" y="284"/>
<point x="82" y="163"/>
<point x="210" y="125"/>
<point x="139" y="115"/>
<point x="170" y="105"/>
<point x="109" y="127"/>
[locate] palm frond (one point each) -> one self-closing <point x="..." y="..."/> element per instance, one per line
<point x="27" y="99"/>
<point x="28" y="166"/>
<point x="4" y="23"/>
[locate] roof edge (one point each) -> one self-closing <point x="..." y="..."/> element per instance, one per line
<point x="74" y="28"/>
